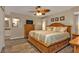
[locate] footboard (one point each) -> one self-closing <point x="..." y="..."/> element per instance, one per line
<point x="52" y="48"/>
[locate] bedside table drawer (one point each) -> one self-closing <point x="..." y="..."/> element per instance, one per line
<point x="74" y="36"/>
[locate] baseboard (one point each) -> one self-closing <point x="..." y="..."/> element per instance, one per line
<point x="17" y="38"/>
<point x="1" y="47"/>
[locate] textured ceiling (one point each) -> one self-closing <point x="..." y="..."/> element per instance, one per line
<point x="25" y="10"/>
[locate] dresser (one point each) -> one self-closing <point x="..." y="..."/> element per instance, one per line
<point x="75" y="43"/>
<point x="27" y="29"/>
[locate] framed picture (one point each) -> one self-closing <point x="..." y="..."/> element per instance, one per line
<point x="52" y="19"/>
<point x="56" y="19"/>
<point x="62" y="18"/>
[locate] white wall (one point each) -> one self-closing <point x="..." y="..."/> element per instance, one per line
<point x="1" y="29"/>
<point x="38" y="21"/>
<point x="78" y="25"/>
<point x="68" y="18"/>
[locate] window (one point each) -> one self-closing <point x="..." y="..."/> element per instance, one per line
<point x="7" y="22"/>
<point x="15" y="22"/>
<point x="44" y="25"/>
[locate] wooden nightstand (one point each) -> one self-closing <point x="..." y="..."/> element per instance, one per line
<point x="75" y="44"/>
<point x="74" y="36"/>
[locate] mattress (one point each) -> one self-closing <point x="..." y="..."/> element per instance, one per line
<point x="49" y="37"/>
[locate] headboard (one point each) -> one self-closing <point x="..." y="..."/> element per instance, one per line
<point x="61" y="25"/>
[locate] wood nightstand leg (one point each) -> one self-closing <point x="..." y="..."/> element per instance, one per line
<point x="74" y="49"/>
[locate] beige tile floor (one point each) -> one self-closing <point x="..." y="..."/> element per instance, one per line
<point x="23" y="46"/>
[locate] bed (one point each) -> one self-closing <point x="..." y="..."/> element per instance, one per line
<point x="50" y="41"/>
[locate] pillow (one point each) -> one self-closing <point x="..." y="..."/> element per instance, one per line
<point x="49" y="28"/>
<point x="59" y="29"/>
<point x="63" y="29"/>
<point x="54" y="29"/>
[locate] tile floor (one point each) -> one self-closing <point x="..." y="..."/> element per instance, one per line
<point x="23" y="46"/>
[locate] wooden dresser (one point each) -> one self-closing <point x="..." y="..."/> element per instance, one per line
<point x="27" y="29"/>
<point x="75" y="43"/>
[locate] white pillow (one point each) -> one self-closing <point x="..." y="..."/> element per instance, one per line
<point x="54" y="29"/>
<point x="63" y="29"/>
<point x="59" y="29"/>
<point x="49" y="28"/>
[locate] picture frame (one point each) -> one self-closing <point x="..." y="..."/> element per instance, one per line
<point x="62" y="18"/>
<point x="52" y="19"/>
<point x="56" y="19"/>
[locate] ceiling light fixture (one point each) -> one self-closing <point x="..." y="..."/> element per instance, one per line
<point x="41" y="11"/>
<point x="38" y="14"/>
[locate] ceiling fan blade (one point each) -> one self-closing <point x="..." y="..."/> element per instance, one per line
<point x="32" y="11"/>
<point x="38" y="7"/>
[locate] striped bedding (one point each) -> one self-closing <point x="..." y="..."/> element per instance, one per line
<point x="49" y="37"/>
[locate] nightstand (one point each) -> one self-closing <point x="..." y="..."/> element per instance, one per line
<point x="74" y="36"/>
<point x="75" y="44"/>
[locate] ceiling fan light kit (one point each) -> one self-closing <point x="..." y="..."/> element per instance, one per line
<point x="41" y="11"/>
<point x="44" y="10"/>
<point x="38" y="14"/>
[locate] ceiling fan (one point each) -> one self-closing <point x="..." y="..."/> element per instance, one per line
<point x="40" y="10"/>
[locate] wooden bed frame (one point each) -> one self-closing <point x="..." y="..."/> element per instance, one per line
<point x="55" y="47"/>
